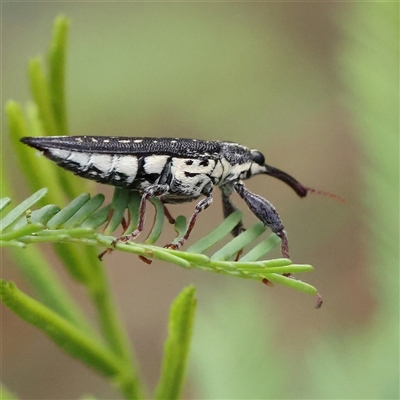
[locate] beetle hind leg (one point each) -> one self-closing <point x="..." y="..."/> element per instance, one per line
<point x="200" y="206"/>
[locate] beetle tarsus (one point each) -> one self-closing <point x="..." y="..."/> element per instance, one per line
<point x="319" y="301"/>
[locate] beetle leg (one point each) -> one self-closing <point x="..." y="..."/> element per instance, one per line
<point x="168" y="215"/>
<point x="151" y="191"/>
<point x="200" y="206"/>
<point x="228" y="208"/>
<point x="266" y="213"/>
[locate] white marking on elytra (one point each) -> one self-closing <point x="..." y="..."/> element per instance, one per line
<point x="60" y="153"/>
<point x="155" y="141"/>
<point x="124" y="141"/>
<point x="78" y="139"/>
<point x="82" y="159"/>
<point x="154" y="164"/>
<point x="126" y="165"/>
<point x="173" y="141"/>
<point x="102" y="162"/>
<point x="138" y="141"/>
<point x="94" y="140"/>
<point x="106" y="141"/>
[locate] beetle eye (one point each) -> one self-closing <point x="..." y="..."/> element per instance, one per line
<point x="257" y="157"/>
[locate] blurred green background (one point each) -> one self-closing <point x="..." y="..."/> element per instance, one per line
<point x="314" y="86"/>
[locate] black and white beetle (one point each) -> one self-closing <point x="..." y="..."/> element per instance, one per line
<point x="175" y="170"/>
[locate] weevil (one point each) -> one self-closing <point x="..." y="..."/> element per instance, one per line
<point x="174" y="169"/>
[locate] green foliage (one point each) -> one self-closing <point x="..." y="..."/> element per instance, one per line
<point x="176" y="347"/>
<point x="5" y="394"/>
<point x="70" y="218"/>
<point x="76" y="223"/>
<point x="63" y="333"/>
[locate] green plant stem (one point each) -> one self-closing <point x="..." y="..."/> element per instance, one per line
<point x="176" y="348"/>
<point x="5" y="394"/>
<point x="110" y="324"/>
<point x="41" y="94"/>
<point x="56" y="62"/>
<point x="99" y="291"/>
<point x="71" y="339"/>
<point x="49" y="288"/>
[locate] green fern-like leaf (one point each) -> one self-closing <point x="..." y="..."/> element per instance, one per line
<point x="79" y="220"/>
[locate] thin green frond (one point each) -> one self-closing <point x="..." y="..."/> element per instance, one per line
<point x="49" y="289"/>
<point x="5" y="394"/>
<point x="78" y="221"/>
<point x="158" y="224"/>
<point x="176" y="348"/>
<point x="75" y="342"/>
<point x="4" y="203"/>
<point x="31" y="125"/>
<point x="56" y="61"/>
<point x="41" y="94"/>
<point x="20" y="209"/>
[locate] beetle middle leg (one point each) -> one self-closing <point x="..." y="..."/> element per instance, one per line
<point x="200" y="206"/>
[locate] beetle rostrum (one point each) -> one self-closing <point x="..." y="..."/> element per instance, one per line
<point x="175" y="170"/>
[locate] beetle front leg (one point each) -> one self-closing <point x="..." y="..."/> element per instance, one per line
<point x="266" y="213"/>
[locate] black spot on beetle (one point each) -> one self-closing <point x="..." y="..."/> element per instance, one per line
<point x="189" y="162"/>
<point x="190" y="174"/>
<point x="151" y="178"/>
<point x="204" y="163"/>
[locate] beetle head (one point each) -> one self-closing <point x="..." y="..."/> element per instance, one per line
<point x="258" y="166"/>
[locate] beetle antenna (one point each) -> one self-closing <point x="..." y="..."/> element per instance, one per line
<point x="327" y="194"/>
<point x="300" y="189"/>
